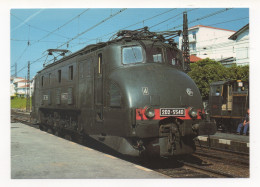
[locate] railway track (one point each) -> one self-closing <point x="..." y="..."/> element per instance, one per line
<point x="23" y="117"/>
<point x="194" y="166"/>
<point x="224" y="156"/>
<point x="208" y="171"/>
<point x="204" y="163"/>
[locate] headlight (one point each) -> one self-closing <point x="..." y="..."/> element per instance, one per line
<point x="193" y="113"/>
<point x="149" y="112"/>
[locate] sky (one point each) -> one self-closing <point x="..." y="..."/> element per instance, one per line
<point x="33" y="31"/>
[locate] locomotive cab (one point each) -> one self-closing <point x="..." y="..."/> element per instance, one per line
<point x="228" y="103"/>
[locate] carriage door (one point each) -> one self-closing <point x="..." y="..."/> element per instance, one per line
<point x="98" y="89"/>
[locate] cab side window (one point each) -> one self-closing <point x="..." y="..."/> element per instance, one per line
<point x="42" y="81"/>
<point x="70" y="73"/>
<point x="155" y="54"/>
<point x="59" y="76"/>
<point x="216" y="90"/>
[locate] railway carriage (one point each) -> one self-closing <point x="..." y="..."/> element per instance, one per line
<point x="130" y="93"/>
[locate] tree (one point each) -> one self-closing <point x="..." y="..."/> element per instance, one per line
<point x="239" y="73"/>
<point x="207" y="71"/>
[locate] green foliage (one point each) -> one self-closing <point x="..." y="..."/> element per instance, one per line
<point x="207" y="71"/>
<point x="18" y="102"/>
<point x="239" y="73"/>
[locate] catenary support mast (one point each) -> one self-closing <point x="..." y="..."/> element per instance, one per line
<point x="28" y="103"/>
<point x="185" y="44"/>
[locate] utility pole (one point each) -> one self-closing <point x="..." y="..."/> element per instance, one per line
<point x="185" y="44"/>
<point x="28" y="102"/>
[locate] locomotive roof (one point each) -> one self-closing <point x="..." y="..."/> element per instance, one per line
<point x="218" y="83"/>
<point x="224" y="82"/>
<point x="94" y="47"/>
<point x="86" y="49"/>
<point x="143" y="35"/>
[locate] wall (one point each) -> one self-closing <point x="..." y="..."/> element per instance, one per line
<point x="242" y="48"/>
<point x="211" y="43"/>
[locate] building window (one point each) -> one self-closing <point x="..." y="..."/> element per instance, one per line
<point x="193" y="46"/>
<point x="71" y="73"/>
<point x="59" y="76"/>
<point x="194" y="35"/>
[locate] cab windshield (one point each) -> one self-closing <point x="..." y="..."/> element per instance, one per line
<point x="132" y="55"/>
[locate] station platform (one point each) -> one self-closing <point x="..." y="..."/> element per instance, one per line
<point x="232" y="142"/>
<point x="36" y="154"/>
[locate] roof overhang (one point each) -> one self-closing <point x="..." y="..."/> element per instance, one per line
<point x="235" y="35"/>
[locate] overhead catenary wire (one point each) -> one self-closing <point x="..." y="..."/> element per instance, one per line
<point x="63" y="25"/>
<point x="224" y="48"/>
<point x="44" y="41"/>
<point x="209" y="15"/>
<point x="52" y="32"/>
<point x="221" y="22"/>
<point x="111" y="33"/>
<point x="146" y="19"/>
<point x="22" y="40"/>
<point x="65" y="42"/>
<point x="226" y="43"/>
<point x="32" y="26"/>
<point x="171" y="18"/>
<point x="104" y="20"/>
<point x="203" y="17"/>
<point x="223" y="44"/>
<point x="25" y="49"/>
<point x="32" y="63"/>
<point x="229" y="21"/>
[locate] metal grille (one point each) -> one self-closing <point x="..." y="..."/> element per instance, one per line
<point x="58" y="92"/>
<point x="239" y="105"/>
<point x="70" y="96"/>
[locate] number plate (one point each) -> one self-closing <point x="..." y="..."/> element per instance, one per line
<point x="172" y="111"/>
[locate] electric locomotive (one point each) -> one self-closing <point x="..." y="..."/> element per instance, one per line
<point x="228" y="103"/>
<point x="130" y="93"/>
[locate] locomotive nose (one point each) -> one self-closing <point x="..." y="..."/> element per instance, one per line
<point x="157" y="85"/>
